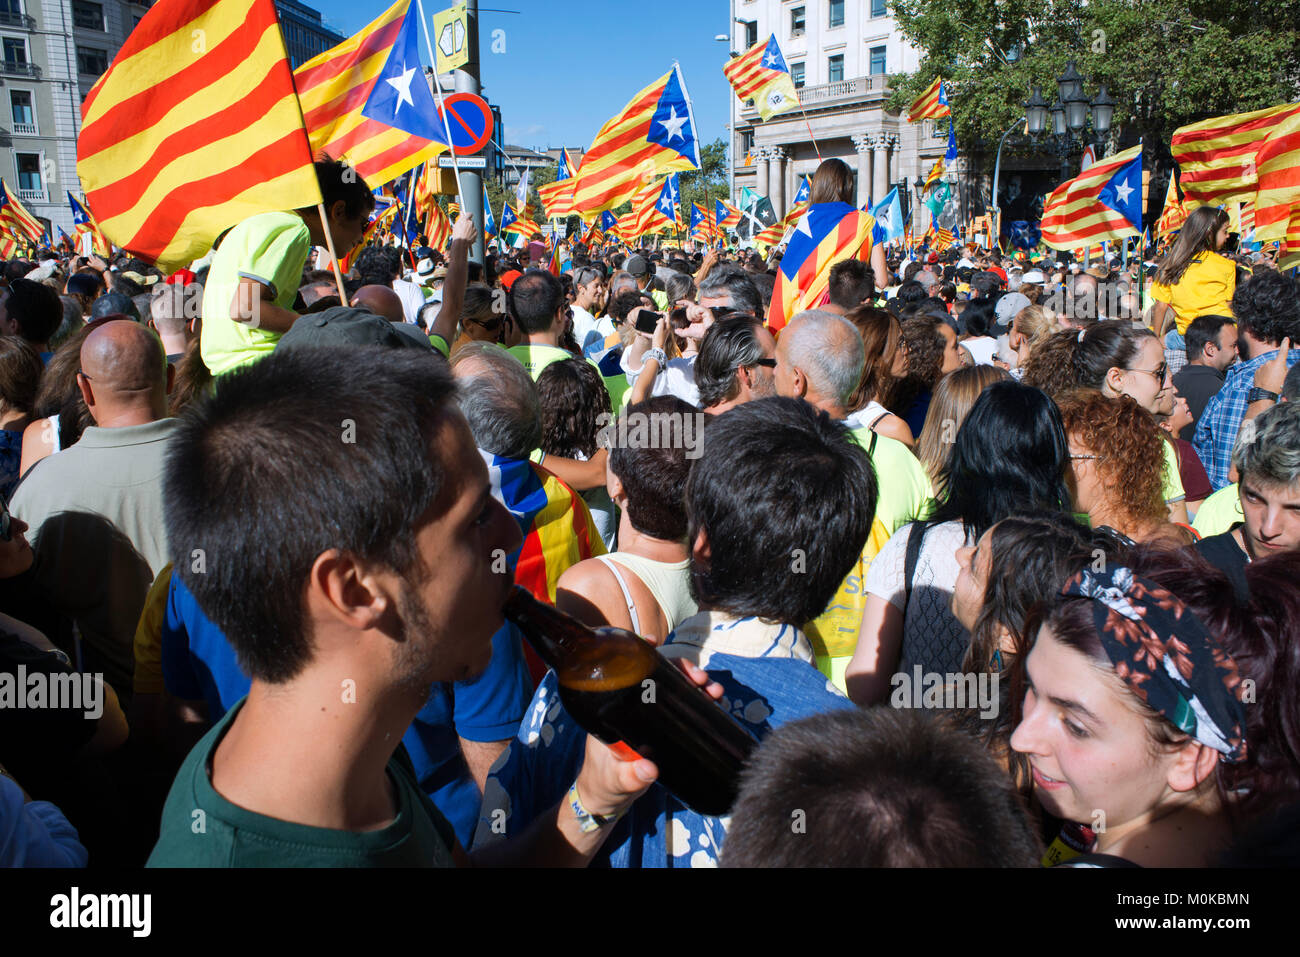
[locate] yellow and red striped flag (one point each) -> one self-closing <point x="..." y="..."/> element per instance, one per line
<point x="933" y="176"/>
<point x="646" y="214"/>
<point x="771" y="236"/>
<point x="15" y="219"/>
<point x="513" y="224"/>
<point x="1103" y="202"/>
<point x="437" y="227"/>
<point x="1175" y="212"/>
<point x="825" y="235"/>
<point x="1218" y="158"/>
<point x="728" y="216"/>
<point x="557" y="197"/>
<point x="1278" y="196"/>
<point x="930" y="105"/>
<point x="943" y="238"/>
<point x="381" y="222"/>
<point x="8" y="246"/>
<point x="626" y="228"/>
<point x="653" y="135"/>
<point x="181" y="140"/>
<point x="336" y="90"/>
<point x="760" y="74"/>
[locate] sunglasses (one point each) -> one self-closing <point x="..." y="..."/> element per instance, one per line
<point x="770" y="363"/>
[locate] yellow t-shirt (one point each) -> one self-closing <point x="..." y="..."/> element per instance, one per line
<point x="148" y="678"/>
<point x="1172" y="478"/>
<point x="272" y="249"/>
<point x="904" y="494"/>
<point x="1205" y="290"/>
<point x="1219" y="512"/>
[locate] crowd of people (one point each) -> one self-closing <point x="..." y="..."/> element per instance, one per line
<point x="996" y="561"/>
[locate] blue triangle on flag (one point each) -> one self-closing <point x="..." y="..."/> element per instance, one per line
<point x="772" y="58"/>
<point x="671" y="125"/>
<point x="814" y="226"/>
<point x="1123" y="192"/>
<point x="401" y="96"/>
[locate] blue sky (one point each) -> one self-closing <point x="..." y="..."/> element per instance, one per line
<point x="570" y="65"/>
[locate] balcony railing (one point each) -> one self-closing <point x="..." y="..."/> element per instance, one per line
<point x="32" y="195"/>
<point x="12" y="68"/>
<point x="27" y="128"/>
<point x="22" y="20"/>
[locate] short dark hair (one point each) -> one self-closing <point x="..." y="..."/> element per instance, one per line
<point x="20" y="373"/>
<point x="535" y="298"/>
<point x="1111" y="344"/>
<point x="36" y="308"/>
<point x="272" y="423"/>
<point x="1268" y="306"/>
<point x="735" y="283"/>
<point x="379" y="265"/>
<point x="655" y="477"/>
<point x="729" y="344"/>
<point x="1202" y="331"/>
<point x="818" y="514"/>
<point x="851" y="283"/>
<point x="340" y="182"/>
<point x="909" y="292"/>
<point x="876" y="787"/>
<point x="979" y="317"/>
<point x="621" y="305"/>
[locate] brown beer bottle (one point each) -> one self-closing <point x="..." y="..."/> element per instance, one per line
<point x="617" y="687"/>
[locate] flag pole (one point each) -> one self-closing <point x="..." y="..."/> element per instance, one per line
<point x="810" y="132"/>
<point x="437" y="88"/>
<point x="329" y="246"/>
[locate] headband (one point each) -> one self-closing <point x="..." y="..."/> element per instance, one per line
<point x="1167" y="657"/>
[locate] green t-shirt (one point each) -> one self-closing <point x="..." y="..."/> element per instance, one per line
<point x="537" y="357"/>
<point x="1219" y="512"/>
<point x="200" y="828"/>
<point x="271" y="248"/>
<point x="1173" y="481"/>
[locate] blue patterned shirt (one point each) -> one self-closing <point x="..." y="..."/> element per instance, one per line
<point x="769" y="678"/>
<point x="1216" y="432"/>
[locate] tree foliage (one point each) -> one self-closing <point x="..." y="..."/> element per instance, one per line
<point x="1166" y="63"/>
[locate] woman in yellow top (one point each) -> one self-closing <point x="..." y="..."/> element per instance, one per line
<point x="1194" y="280"/>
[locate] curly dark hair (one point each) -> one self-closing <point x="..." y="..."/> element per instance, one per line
<point x="1268" y="307"/>
<point x="924" y="349"/>
<point x="1127" y="443"/>
<point x="1050" y="365"/>
<point x="572" y="396"/>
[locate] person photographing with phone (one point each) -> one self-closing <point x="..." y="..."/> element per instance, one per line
<point x="664" y="351"/>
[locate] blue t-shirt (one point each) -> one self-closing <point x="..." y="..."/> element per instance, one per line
<point x="198" y="662"/>
<point x="763" y="688"/>
<point x="11" y="455"/>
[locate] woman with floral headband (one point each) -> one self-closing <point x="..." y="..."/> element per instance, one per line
<point x="1132" y="721"/>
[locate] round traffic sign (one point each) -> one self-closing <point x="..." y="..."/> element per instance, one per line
<point x="470" y="120"/>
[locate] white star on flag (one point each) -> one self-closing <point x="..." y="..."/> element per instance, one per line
<point x="667" y="203"/>
<point x="673" y="124"/>
<point x="1122" y="190"/>
<point x="771" y="59"/>
<point x="402" y="84"/>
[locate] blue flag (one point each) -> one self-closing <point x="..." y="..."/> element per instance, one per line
<point x="951" y="155"/>
<point x="889" y="216"/>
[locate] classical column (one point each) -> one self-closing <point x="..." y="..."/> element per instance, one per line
<point x="778" y="180"/>
<point x="764" y="170"/>
<point x="880" y="182"/>
<point x="862" y="143"/>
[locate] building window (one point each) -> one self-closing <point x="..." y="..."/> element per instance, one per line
<point x="747" y="143"/>
<point x="837" y="13"/>
<point x="796" y="74"/>
<point x="29" y="172"/>
<point x="91" y="60"/>
<point x="878" y="8"/>
<point x="15" y="50"/>
<point x="797" y="22"/>
<point x="835" y="68"/>
<point x="87" y="15"/>
<point x="24" y="118"/>
<point x="877" y="61"/>
<point x="751" y="33"/>
<point x="12" y="7"/>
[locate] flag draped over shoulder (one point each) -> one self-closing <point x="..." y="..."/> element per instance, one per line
<point x="557" y="528"/>
<point x="931" y="104"/>
<point x="760" y="74"/>
<point x="1105" y="202"/>
<point x="366" y="100"/>
<point x="16" y="220"/>
<point x="825" y="235"/>
<point x="182" y="139"/>
<point x="1218" y="158"/>
<point x="653" y="135"/>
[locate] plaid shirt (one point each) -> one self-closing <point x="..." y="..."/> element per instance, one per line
<point x="1216" y="432"/>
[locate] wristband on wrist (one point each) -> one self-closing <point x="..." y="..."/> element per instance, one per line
<point x="658" y="355"/>
<point x="1256" y="394"/>
<point x="587" y="822"/>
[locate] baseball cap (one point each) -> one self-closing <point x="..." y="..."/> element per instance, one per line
<point x="1008" y="305"/>
<point x="348" y="326"/>
<point x="508" y="278"/>
<point x="636" y="265"/>
<point x="114" y="304"/>
<point x="1033" y="276"/>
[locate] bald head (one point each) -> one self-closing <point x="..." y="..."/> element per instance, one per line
<point x="828" y="350"/>
<point x="380" y="300"/>
<point x="124" y="374"/>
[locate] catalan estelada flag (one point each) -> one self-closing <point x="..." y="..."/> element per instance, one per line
<point x="553" y="260"/>
<point x="703" y="228"/>
<point x="930" y="105"/>
<point x="1277" y="198"/>
<point x="1218" y="158"/>
<point x="653" y="135"/>
<point x="1103" y="202"/>
<point x="381" y="222"/>
<point x="760" y="74"/>
<point x="1174" y="213"/>
<point x="557" y="197"/>
<point x="770" y="236"/>
<point x="15" y="219"/>
<point x="651" y="214"/>
<point x="728" y="216"/>
<point x="83" y="222"/>
<point x="799" y="205"/>
<point x="825" y="235"/>
<point x="437" y="228"/>
<point x="514" y="225"/>
<point x="366" y="100"/>
<point x="933" y="176"/>
<point x="181" y="140"/>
